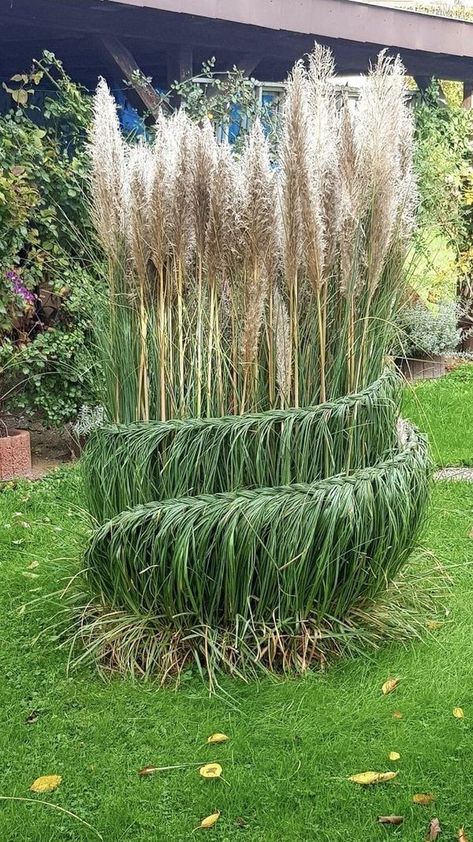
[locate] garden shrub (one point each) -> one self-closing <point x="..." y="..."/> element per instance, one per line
<point x="48" y="286"/>
<point x="424" y="330"/>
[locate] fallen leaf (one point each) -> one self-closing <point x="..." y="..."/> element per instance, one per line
<point x="147" y="770"/>
<point x="209" y="821"/>
<point x="210" y="770"/>
<point x="32" y="717"/>
<point x="240" y="822"/>
<point x="394" y="755"/>
<point x="433" y="625"/>
<point x="458" y="713"/>
<point x="433" y="831"/>
<point x="397" y="714"/>
<point x="33" y="565"/>
<point x="423" y="798"/>
<point x="218" y="738"/>
<point x="390" y="819"/>
<point x="389" y="686"/>
<point x="368" y="778"/>
<point x="47" y="783"/>
<point x="462" y="837"/>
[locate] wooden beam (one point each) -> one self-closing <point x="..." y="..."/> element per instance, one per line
<point x="424" y="82"/>
<point x="126" y="63"/>
<point x="179" y="63"/>
<point x="249" y="62"/>
<point x="468" y="94"/>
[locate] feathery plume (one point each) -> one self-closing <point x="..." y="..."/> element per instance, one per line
<point x="139" y="173"/>
<point x="283" y="345"/>
<point x="293" y="163"/>
<point x="181" y="231"/>
<point x="108" y="167"/>
<point x="258" y="227"/>
<point x="224" y="228"/>
<point x="203" y="158"/>
<point x="380" y="121"/>
<point x="159" y="195"/>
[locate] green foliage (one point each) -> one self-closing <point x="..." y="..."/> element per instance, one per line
<point x="227" y="99"/>
<point x="428" y="331"/>
<point x="444" y="165"/>
<point x="47" y="241"/>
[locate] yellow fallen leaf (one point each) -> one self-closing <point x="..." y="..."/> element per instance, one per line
<point x="389" y="686"/>
<point x="211" y="770"/>
<point x="368" y="778"/>
<point x="47" y="783"/>
<point x="394" y="755"/>
<point x="462" y="837"/>
<point x="423" y="798"/>
<point x="209" y="821"/>
<point x="434" y="625"/>
<point x="397" y="714"/>
<point x="458" y="713"/>
<point x="218" y="738"/>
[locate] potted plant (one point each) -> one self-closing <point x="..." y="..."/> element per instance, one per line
<point x="15" y="453"/>
<point x="424" y="337"/>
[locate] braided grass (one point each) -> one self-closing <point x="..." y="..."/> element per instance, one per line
<point x="252" y="577"/>
<point x="137" y="463"/>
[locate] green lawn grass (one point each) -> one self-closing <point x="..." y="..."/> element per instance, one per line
<point x="444" y="409"/>
<point x="293" y="743"/>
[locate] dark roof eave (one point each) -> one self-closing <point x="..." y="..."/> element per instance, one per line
<point x="359" y="22"/>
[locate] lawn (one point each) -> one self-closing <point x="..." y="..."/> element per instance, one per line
<point x="293" y="743"/>
<point x="444" y="409"/>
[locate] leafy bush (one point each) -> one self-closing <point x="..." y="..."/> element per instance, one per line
<point x="444" y="167"/>
<point x="428" y="331"/>
<point x="47" y="281"/>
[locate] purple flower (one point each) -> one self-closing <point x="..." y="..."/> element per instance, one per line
<point x="18" y="288"/>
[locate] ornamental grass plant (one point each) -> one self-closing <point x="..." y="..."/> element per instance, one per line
<point x="252" y="488"/>
<point x="240" y="284"/>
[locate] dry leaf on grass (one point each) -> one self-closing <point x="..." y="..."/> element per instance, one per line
<point x="368" y="778"/>
<point x="218" y="738"/>
<point x="240" y="822"/>
<point x="433" y="831"/>
<point x="390" y="819"/>
<point x="147" y="770"/>
<point x="397" y="714"/>
<point x="433" y="625"/>
<point x="47" y="783"/>
<point x="423" y="798"/>
<point x="209" y="821"/>
<point x="394" y="755"/>
<point x="462" y="837"/>
<point x="458" y="713"/>
<point x="389" y="686"/>
<point x="210" y="770"/>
